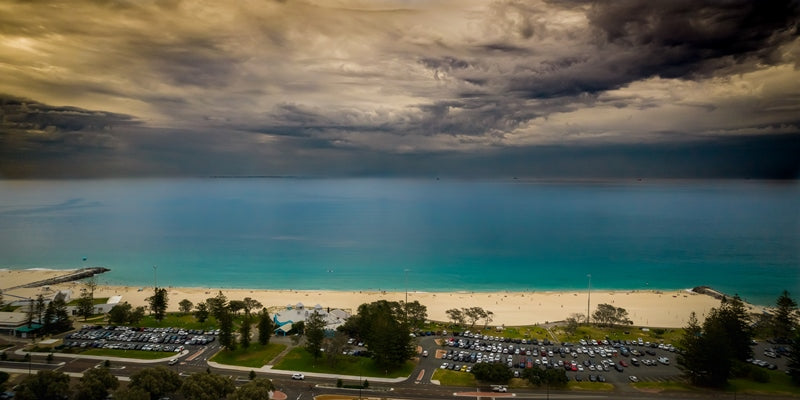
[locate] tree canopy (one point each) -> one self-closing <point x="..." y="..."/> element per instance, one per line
<point x="785" y="317"/>
<point x="95" y="384"/>
<point x="382" y="326"/>
<point x="158" y="381"/>
<point x="205" y="386"/>
<point x="608" y="315"/>
<point x="44" y="385"/>
<point x="158" y="303"/>
<point x="315" y="334"/>
<point x="257" y="389"/>
<point x="492" y="372"/>
<point x="710" y="349"/>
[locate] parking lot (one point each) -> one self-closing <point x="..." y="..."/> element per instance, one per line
<point x="136" y="338"/>
<point x="601" y="360"/>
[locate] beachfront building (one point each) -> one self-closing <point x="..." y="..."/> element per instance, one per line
<point x="284" y="320"/>
<point x="16" y="324"/>
<point x="98" y="308"/>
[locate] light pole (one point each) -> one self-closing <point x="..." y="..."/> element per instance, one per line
<point x="406" y="273"/>
<point x="155" y="277"/>
<point x="589" y="299"/>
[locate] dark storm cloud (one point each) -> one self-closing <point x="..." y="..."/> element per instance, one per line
<point x="300" y="86"/>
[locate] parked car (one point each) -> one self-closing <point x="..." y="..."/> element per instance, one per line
<point x="633" y="378"/>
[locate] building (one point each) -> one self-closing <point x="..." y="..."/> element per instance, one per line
<point x="16" y="324"/>
<point x="285" y="319"/>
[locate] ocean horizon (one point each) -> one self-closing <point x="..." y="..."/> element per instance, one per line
<point x="739" y="237"/>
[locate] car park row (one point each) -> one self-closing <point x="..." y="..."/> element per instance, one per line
<point x="592" y="355"/>
<point x="134" y="338"/>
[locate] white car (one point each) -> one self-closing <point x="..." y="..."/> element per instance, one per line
<point x="298" y="377"/>
<point x="501" y="389"/>
<point x="633" y="378"/>
<point x="173" y="361"/>
<point x="425" y="353"/>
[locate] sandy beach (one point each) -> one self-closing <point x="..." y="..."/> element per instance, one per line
<point x="646" y="308"/>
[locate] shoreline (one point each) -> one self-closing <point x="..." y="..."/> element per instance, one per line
<point x="652" y="308"/>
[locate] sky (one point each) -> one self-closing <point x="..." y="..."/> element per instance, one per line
<point x="424" y="88"/>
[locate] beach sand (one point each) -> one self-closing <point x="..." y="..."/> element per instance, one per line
<point x="645" y="307"/>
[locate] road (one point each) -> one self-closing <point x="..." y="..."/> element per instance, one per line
<point x="417" y="386"/>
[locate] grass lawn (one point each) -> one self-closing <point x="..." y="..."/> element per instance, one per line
<point x="594" y="386"/>
<point x="664" y="386"/>
<point x="656" y="335"/>
<point x="142" y="355"/>
<point x="95" y="301"/>
<point x="255" y="356"/>
<point x="454" y="378"/>
<point x="779" y="384"/>
<point x="298" y="359"/>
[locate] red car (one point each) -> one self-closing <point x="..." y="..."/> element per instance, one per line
<point x="623" y="363"/>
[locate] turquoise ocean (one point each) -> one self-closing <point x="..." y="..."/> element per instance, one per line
<point x="395" y="234"/>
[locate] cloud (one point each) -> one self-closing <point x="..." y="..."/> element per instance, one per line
<point x="264" y="87"/>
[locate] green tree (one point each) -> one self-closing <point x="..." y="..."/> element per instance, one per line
<point x="217" y="305"/>
<point x="235" y="306"/>
<point x="136" y="315"/>
<point x="709" y="352"/>
<point x="456" y="315"/>
<point x="56" y="316"/>
<point x="736" y="322"/>
<point x="3" y="379"/>
<point x="794" y="359"/>
<point x="226" y="338"/>
<point x="44" y="385"/>
<point x="85" y="305"/>
<point x="40" y="307"/>
<point x="120" y="313"/>
<point x="49" y="318"/>
<point x="605" y="314"/>
<point x="416" y="313"/>
<point x="95" y="384"/>
<point x="204" y="386"/>
<point x="244" y="332"/>
<point x="264" y="326"/>
<point x="201" y="312"/>
<point x="383" y="327"/>
<point x="158" y="381"/>
<point x="335" y="346"/>
<point x="488" y="318"/>
<point x="256" y="389"/>
<point x="785" y="317"/>
<point x="131" y="393"/>
<point x="492" y="373"/>
<point x="158" y="303"/>
<point x="185" y="306"/>
<point x="315" y="334"/>
<point x="556" y="377"/>
<point x="572" y="325"/>
<point x="474" y="314"/>
<point x="250" y="305"/>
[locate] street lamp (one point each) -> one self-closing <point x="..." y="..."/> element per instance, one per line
<point x="406" y="273"/>
<point x="589" y="299"/>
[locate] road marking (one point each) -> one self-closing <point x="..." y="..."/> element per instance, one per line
<point x="196" y="354"/>
<point x="419" y="377"/>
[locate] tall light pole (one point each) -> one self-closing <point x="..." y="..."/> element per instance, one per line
<point x="406" y="272"/>
<point x="155" y="277"/>
<point x="589" y="299"/>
